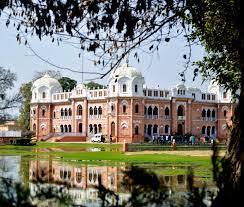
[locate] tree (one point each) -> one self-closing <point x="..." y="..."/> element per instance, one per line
<point x="7" y="79"/>
<point x="67" y="84"/>
<point x="92" y="85"/>
<point x="51" y="73"/>
<point x="24" y="117"/>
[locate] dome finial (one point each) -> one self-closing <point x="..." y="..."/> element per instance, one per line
<point x="127" y="59"/>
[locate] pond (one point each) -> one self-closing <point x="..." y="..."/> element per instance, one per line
<point x="80" y="180"/>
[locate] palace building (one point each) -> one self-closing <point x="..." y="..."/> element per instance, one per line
<point x="127" y="109"/>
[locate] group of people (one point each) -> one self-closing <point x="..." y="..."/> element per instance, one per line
<point x="187" y="139"/>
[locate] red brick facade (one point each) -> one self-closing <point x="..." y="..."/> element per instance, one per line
<point x="128" y="111"/>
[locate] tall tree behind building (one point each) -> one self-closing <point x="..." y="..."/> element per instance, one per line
<point x="24" y="118"/>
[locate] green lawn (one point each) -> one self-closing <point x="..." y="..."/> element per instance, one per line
<point x="73" y="151"/>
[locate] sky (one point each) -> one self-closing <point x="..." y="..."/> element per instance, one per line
<point x="160" y="69"/>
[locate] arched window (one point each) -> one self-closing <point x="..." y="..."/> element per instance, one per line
<point x="166" y="129"/>
<point x="34" y="127"/>
<point x="136" y="108"/>
<point x="203" y="113"/>
<point x="213" y="130"/>
<point x="34" y="111"/>
<point x="113" y="129"/>
<point x="145" y="111"/>
<point x="155" y="111"/>
<point x="124" y="108"/>
<point x="78" y="176"/>
<point x="95" y="129"/>
<point x="166" y="111"/>
<point x="69" y="128"/>
<point x="180" y="110"/>
<point x="43" y="112"/>
<point x="208" y="113"/>
<point x="203" y="130"/>
<point x="65" y="128"/>
<point x="112" y="107"/>
<point x="43" y="95"/>
<point x="100" y="110"/>
<point x="90" y="111"/>
<point x="136" y="130"/>
<point x="65" y="112"/>
<point x="62" y="112"/>
<point x="213" y="114"/>
<point x="70" y="112"/>
<point x="136" y="88"/>
<point x="90" y="128"/>
<point x="225" y="113"/>
<point x="99" y="128"/>
<point x="155" y="129"/>
<point x="208" y="130"/>
<point x="149" y="129"/>
<point x="54" y="115"/>
<point x="61" y="128"/>
<point x="79" y="110"/>
<point x="124" y="87"/>
<point x="95" y="110"/>
<point x="149" y="111"/>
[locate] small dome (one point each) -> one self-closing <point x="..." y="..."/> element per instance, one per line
<point x="180" y="85"/>
<point x="47" y="81"/>
<point x="80" y="86"/>
<point x="126" y="71"/>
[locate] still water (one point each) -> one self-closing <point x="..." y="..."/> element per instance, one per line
<point x="80" y="180"/>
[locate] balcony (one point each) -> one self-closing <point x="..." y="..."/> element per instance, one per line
<point x="78" y="117"/>
<point x="209" y="119"/>
<point x="65" y="117"/>
<point x="167" y="117"/>
<point x="180" y="118"/>
<point x="99" y="116"/>
<point x="155" y="116"/>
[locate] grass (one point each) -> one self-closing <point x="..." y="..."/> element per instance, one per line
<point x="112" y="153"/>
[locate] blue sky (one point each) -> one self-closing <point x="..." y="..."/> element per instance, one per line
<point x="161" y="68"/>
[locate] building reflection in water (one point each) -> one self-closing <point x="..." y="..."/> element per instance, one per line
<point x="81" y="180"/>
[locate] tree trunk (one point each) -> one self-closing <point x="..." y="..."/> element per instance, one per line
<point x="231" y="180"/>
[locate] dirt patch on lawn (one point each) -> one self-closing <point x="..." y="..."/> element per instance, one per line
<point x="198" y="153"/>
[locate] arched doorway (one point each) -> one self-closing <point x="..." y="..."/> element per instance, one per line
<point x="180" y="129"/>
<point x="34" y="127"/>
<point x="80" y="127"/>
<point x="113" y="129"/>
<point x="149" y="130"/>
<point x="95" y="129"/>
<point x="155" y="130"/>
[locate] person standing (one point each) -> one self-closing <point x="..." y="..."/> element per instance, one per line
<point x="193" y="139"/>
<point x="110" y="139"/>
<point x="173" y="144"/>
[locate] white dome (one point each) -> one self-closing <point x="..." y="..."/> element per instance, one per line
<point x="180" y="85"/>
<point x="47" y="81"/>
<point x="125" y="71"/>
